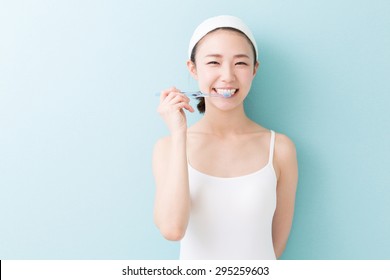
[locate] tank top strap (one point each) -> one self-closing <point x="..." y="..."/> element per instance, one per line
<point x="271" y="147"/>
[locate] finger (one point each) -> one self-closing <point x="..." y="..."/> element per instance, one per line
<point x="166" y="92"/>
<point x="190" y="108"/>
<point x="184" y="105"/>
<point x="174" y="98"/>
<point x="178" y="98"/>
<point x="171" y="100"/>
<point x="169" y="94"/>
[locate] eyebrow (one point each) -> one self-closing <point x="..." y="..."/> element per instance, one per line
<point x="235" y="56"/>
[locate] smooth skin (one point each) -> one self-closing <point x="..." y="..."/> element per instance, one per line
<point x="224" y="143"/>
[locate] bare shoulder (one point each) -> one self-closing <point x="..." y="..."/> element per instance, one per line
<point x="284" y="146"/>
<point x="285" y="156"/>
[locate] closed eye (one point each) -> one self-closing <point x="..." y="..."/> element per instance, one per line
<point x="213" y="62"/>
<point x="241" y="63"/>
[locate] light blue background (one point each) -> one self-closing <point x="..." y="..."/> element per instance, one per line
<point x="78" y="120"/>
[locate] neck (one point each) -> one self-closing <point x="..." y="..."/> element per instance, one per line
<point x="225" y="122"/>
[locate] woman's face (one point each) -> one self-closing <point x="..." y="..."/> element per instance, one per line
<point x="224" y="65"/>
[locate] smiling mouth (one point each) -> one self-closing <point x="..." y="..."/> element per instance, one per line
<point x="226" y="93"/>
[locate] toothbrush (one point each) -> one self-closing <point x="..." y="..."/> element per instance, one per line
<point x="195" y="94"/>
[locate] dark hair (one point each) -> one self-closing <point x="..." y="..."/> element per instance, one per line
<point x="201" y="104"/>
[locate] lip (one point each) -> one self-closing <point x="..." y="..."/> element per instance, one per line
<point x="225" y="88"/>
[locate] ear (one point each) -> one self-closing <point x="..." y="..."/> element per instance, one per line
<point x="192" y="69"/>
<point x="255" y="68"/>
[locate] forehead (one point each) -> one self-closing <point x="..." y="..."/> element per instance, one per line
<point x="225" y="41"/>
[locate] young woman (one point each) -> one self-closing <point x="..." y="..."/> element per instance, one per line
<point x="225" y="186"/>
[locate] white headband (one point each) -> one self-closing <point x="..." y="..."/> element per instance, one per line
<point x="218" y="22"/>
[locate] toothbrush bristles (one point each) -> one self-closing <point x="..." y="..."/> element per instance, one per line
<point x="226" y="94"/>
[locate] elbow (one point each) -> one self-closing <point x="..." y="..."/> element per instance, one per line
<point x="279" y="250"/>
<point x="170" y="228"/>
<point x="172" y="233"/>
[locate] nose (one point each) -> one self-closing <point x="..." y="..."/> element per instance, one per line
<point x="227" y="73"/>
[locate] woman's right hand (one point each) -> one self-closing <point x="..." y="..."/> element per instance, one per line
<point x="171" y="109"/>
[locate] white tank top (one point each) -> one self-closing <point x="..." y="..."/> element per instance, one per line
<point x="231" y="218"/>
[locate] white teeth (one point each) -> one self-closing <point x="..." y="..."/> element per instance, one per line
<point x="225" y="92"/>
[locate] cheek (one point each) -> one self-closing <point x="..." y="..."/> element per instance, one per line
<point x="247" y="76"/>
<point x="205" y="76"/>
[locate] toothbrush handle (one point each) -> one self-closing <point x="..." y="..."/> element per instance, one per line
<point x="187" y="93"/>
<point x="194" y="94"/>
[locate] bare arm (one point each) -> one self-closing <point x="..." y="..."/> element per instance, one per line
<point x="172" y="198"/>
<point x="285" y="157"/>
